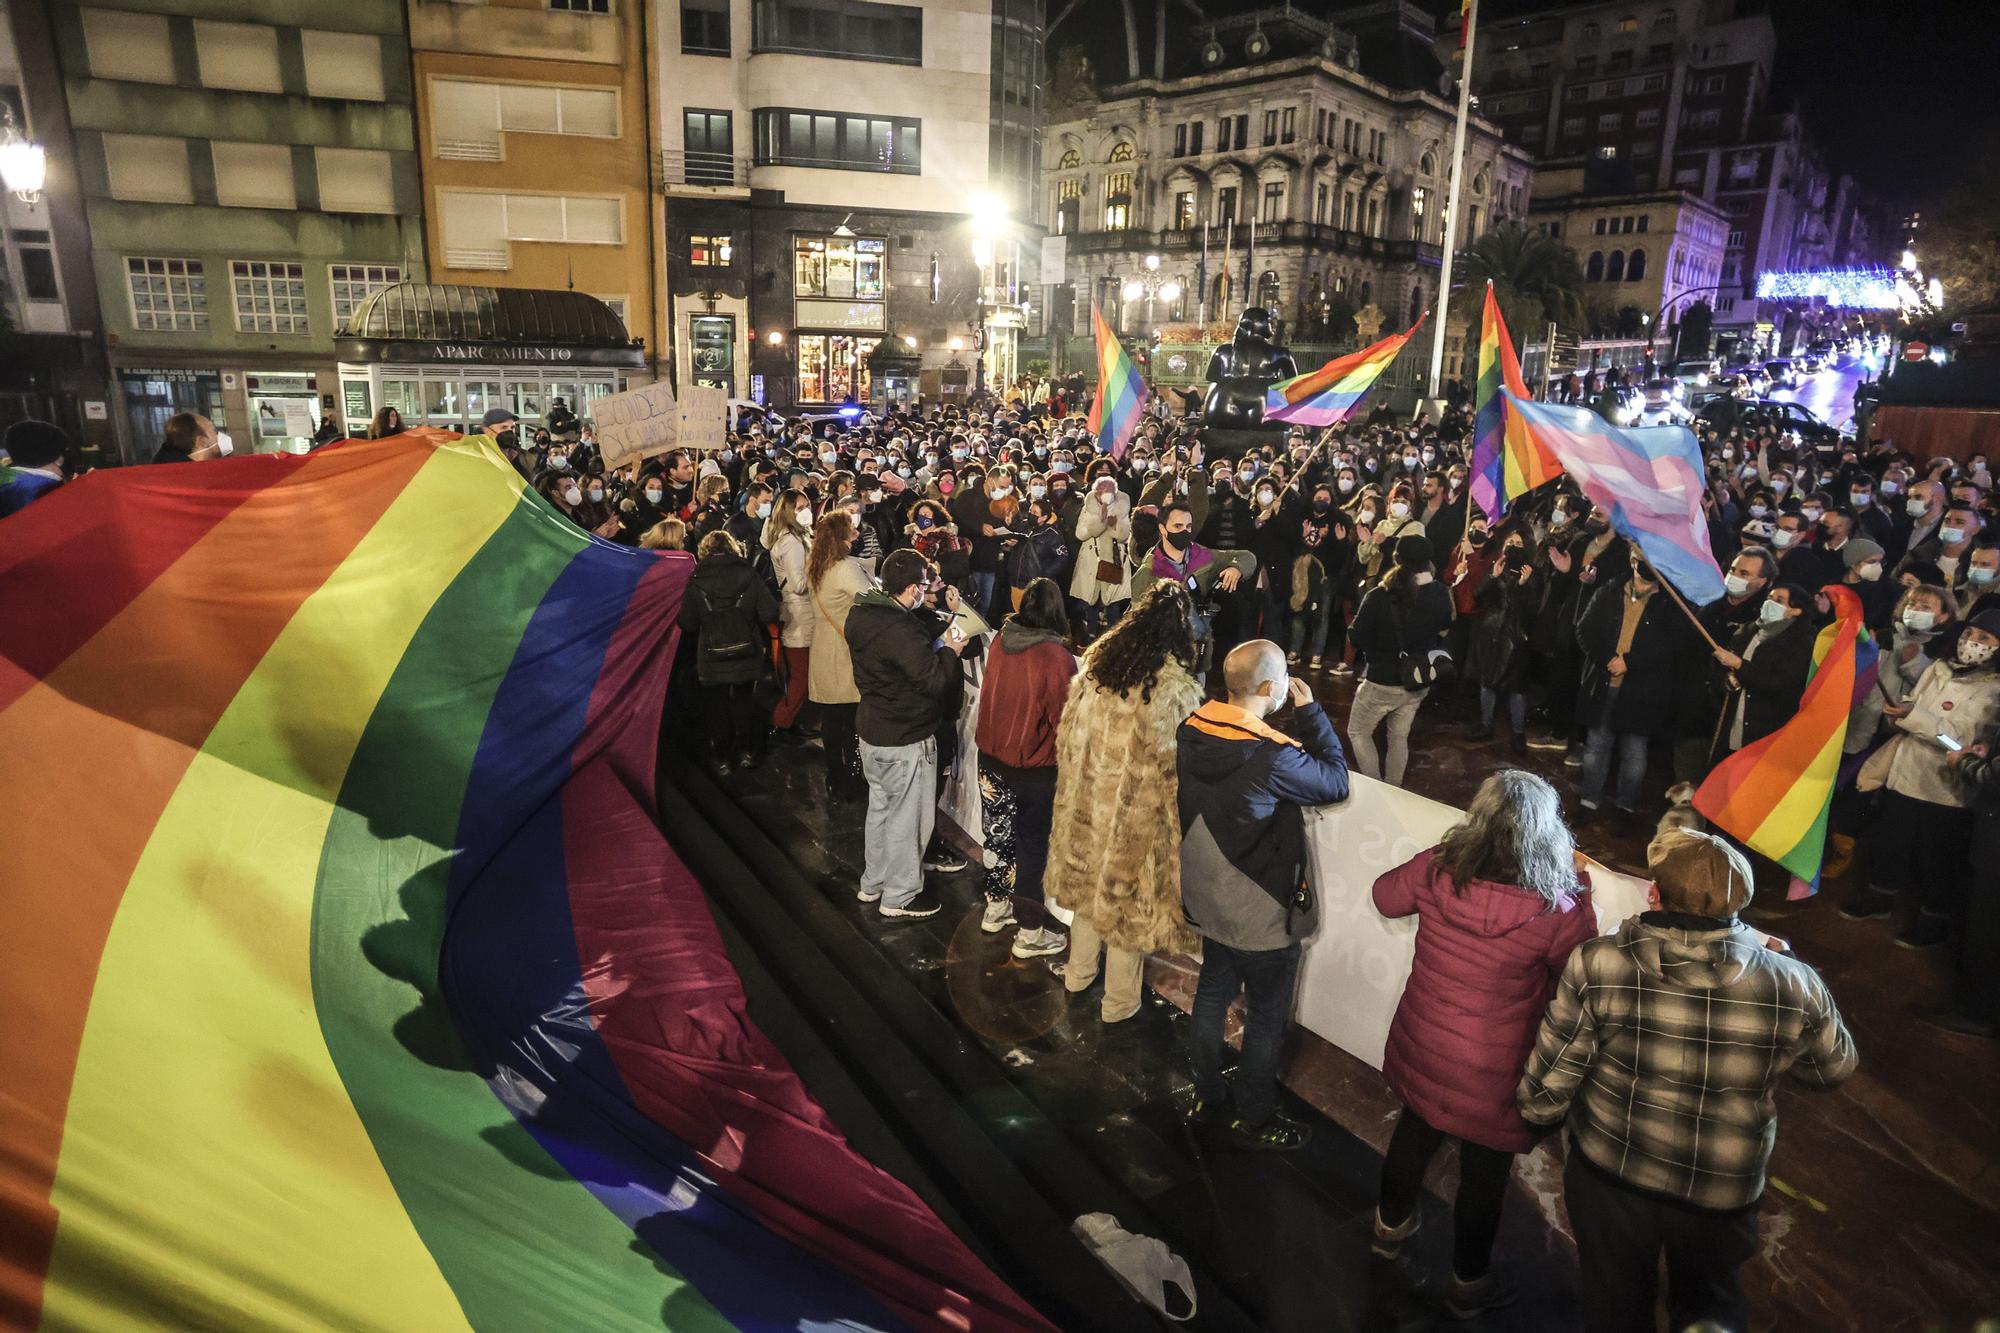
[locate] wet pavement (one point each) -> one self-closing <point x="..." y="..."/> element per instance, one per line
<point x="1882" y="1212"/>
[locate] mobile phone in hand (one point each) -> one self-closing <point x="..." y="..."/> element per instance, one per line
<point x="1948" y="743"/>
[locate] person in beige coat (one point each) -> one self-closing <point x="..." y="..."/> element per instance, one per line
<point x="787" y="536"/>
<point x="1104" y="542"/>
<point x="834" y="577"/>
<point x="1114" y="847"/>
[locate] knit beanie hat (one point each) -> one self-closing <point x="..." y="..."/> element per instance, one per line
<point x="1415" y="549"/>
<point x="35" y="443"/>
<point x="1859" y="551"/>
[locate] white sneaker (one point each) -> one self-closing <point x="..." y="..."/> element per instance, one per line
<point x="1039" y="943"/>
<point x="998" y="916"/>
<point x="869" y="895"/>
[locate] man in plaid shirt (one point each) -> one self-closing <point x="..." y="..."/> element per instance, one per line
<point x="1663" y="1048"/>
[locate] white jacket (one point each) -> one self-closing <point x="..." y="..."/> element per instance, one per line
<point x="1964" y="705"/>
<point x="1103" y="534"/>
<point x="795" y="607"/>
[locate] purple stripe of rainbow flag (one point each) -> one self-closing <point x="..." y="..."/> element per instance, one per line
<point x="1121" y="391"/>
<point x="1329" y="395"/>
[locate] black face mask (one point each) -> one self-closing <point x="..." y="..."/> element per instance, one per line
<point x="1177" y="540"/>
<point x="1478" y="539"/>
<point x="1322" y="506"/>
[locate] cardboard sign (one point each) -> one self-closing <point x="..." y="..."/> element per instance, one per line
<point x="636" y="424"/>
<point x="704" y="418"/>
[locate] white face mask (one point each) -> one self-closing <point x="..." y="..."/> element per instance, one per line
<point x="1037" y="492"/>
<point x="764" y="510"/>
<point x="1265" y="497"/>
<point x="1916" y="507"/>
<point x="596" y="492"/>
<point x="1424" y="579"/>
<point x="224" y="446"/>
<point x="1981" y="574"/>
<point x="1890" y="487"/>
<point x="1860" y="499"/>
<point x="1919" y="622"/>
<point x="1759" y="511"/>
<point x="1735" y="584"/>
<point x="1975" y="654"/>
<point x="1780" y="485"/>
<point x="1870" y="571"/>
<point x="1812" y="514"/>
<point x="1773" y="613"/>
<point x="1951" y="536"/>
<point x="1783" y="539"/>
<point x="654" y="495"/>
<point x="805" y="518"/>
<point x="1346" y="484"/>
<point x="1397" y="509"/>
<point x="571" y="495"/>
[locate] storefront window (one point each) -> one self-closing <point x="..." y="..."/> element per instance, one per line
<point x="481" y="397"/>
<point x="527" y="400"/>
<point x="405" y="396"/>
<point x="812" y="368"/>
<point x="441" y="398"/>
<point x="845" y="268"/>
<point x="809" y="276"/>
<point x="840" y="368"/>
<point x="864" y="383"/>
<point x="869" y="266"/>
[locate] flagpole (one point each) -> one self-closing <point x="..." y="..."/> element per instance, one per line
<point x="1693" y="619"/>
<point x="1202" y="278"/>
<point x="1250" y="262"/>
<point x="1451" y="196"/>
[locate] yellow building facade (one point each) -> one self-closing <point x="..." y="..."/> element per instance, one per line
<point x="533" y="135"/>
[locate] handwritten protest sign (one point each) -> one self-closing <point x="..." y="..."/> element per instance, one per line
<point x="636" y="424"/>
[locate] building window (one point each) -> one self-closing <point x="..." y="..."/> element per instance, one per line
<point x="1608" y="153"/>
<point x="840" y="267"/>
<point x="344" y="64"/>
<point x="709" y="140"/>
<point x="1195" y="129"/>
<point x="1593" y="271"/>
<point x="1232" y="133"/>
<point x="1635" y="266"/>
<point x="1614" y="267"/>
<point x="468" y="118"/>
<point x="1069" y="206"/>
<point x="1572" y="126"/>
<point x="582" y="6"/>
<point x="1374" y="217"/>
<point x="1647" y="118"/>
<point x="478" y="226"/>
<point x="1347" y="210"/>
<point x="168" y="295"/>
<point x="1420" y="203"/>
<point x="705" y="27"/>
<point x="1645" y="222"/>
<point x="268" y="297"/>
<point x="1267" y="290"/>
<point x="128" y="46"/>
<point x="833" y="367"/>
<point x="1743" y="167"/>
<point x="1735" y="241"/>
<point x="846" y="29"/>
<point x="1287" y="125"/>
<point x="1118" y="201"/>
<point x="1628" y="24"/>
<point x="355" y="180"/>
<point x="1688" y="176"/>
<point x="1586" y="66"/>
<point x="1225" y="204"/>
<point x="1616" y="61"/>
<point x="1597" y="227"/>
<point x="1274" y="201"/>
<point x="1270" y="128"/>
<point x="1180" y="139"/>
<point x="1589" y="32"/>
<point x="354" y="283"/>
<point x="1610" y="122"/>
<point x="238" y="55"/>
<point x="787" y="137"/>
<point x="254" y="175"/>
<point x="1322" y="203"/>
<point x="38" y="271"/>
<point x="148" y="169"/>
<point x="1121" y="151"/>
<point x="1070" y="160"/>
<point x="710" y="251"/>
<point x="1183" y="210"/>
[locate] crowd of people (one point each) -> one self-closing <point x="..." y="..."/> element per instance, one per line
<point x="1136" y="630"/>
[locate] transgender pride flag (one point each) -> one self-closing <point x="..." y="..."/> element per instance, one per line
<point x="1648" y="479"/>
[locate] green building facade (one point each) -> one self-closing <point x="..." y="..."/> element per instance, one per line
<point x="247" y="185"/>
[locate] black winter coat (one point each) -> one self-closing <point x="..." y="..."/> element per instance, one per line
<point x="1425" y="618"/>
<point x="1773" y="681"/>
<point x="1498" y="659"/>
<point x="722" y="586"/>
<point x="1644" y="703"/>
<point x="903" y="674"/>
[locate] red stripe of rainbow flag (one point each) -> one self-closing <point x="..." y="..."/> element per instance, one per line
<point x="1507" y="459"/>
<point x="1330" y="395"/>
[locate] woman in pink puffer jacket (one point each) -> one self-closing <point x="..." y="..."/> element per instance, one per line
<point x="1500" y="904"/>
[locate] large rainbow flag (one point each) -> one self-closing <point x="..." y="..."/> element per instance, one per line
<point x="1330" y="395"/>
<point x="1505" y="463"/>
<point x="1773" y="795"/>
<point x="348" y="980"/>
<point x="1121" y="391"/>
<point x="1649" y="479"/>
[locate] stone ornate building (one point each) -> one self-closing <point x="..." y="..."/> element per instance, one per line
<point x="1300" y="162"/>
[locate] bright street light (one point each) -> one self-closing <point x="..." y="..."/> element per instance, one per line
<point x="776" y="337"/>
<point x="24" y="164"/>
<point x="1153" y="263"/>
<point x="988" y="214"/>
<point x="1170" y="290"/>
<point x="1134" y="289"/>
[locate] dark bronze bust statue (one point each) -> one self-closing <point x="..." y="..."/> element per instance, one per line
<point x="1239" y="373"/>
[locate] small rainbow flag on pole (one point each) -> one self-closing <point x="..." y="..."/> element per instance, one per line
<point x="1121" y="391"/>
<point x="1506" y="463"/>
<point x="1329" y="395"/>
<point x="1773" y="795"/>
<point x="349" y="979"/>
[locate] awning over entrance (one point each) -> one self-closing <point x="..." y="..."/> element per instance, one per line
<point x="433" y="322"/>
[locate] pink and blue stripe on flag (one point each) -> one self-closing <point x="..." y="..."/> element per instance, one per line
<point x="1648" y="479"/>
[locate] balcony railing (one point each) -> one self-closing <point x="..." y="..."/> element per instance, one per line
<point x="702" y="170"/>
<point x="469" y="150"/>
<point x="496" y="260"/>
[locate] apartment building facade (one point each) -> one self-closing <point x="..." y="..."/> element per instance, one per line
<point x="246" y="185"/>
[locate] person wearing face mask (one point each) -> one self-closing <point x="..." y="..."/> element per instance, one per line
<point x="729" y="611"/>
<point x="1916" y="525"/>
<point x="1949" y="550"/>
<point x="1979" y="583"/>
<point x="1768" y="664"/>
<point x="1974" y="1008"/>
<point x="1274" y="540"/>
<point x="711" y="509"/>
<point x="190" y="437"/>
<point x="746" y="523"/>
<point x="1870" y="520"/>
<point x="984" y="512"/>
<point x="1320" y="573"/>
<point x="1404" y="616"/>
<point x="1209" y="576"/>
<point x="1377" y="540"/>
<point x="1636" y="644"/>
<point x="835" y="576"/>
<point x="1101" y="583"/>
<point x="1923" y="828"/>
<point x="1862" y="572"/>
<point x="788" y="536"/>
<point x="639" y="509"/>
<point x="1497" y="654"/>
<point x="1228" y="522"/>
<point x="933" y="535"/>
<point x="1044" y="551"/>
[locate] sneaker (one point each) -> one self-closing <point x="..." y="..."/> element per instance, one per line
<point x="1468" y="1300"/>
<point x="1571" y="760"/>
<point x="869" y="895"/>
<point x="1039" y="943"/>
<point x="1547" y="743"/>
<point x="945" y="862"/>
<point x="1208" y="1114"/>
<point x="1389" y="1241"/>
<point x="919" y="907"/>
<point x="999" y="915"/>
<point x="1314" y="664"/>
<point x="1920" y="936"/>
<point x="1343" y="668"/>
<point x="1587" y="804"/>
<point x="1280" y="1133"/>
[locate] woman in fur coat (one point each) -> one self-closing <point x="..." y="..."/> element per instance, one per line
<point x="1114" y="849"/>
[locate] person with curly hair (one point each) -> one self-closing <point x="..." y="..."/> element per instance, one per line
<point x="1115" y="840"/>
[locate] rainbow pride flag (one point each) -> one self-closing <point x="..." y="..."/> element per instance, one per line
<point x="348" y="980"/>
<point x="1330" y="395"/>
<point x="1121" y="391"/>
<point x="1773" y="795"/>
<point x="1647" y="478"/>
<point x="1505" y="464"/>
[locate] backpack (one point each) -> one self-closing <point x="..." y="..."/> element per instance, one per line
<point x="732" y="643"/>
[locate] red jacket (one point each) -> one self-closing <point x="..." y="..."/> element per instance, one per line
<point x="1488" y="960"/>
<point x="1021" y="697"/>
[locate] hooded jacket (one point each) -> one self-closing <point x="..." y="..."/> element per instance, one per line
<point x="1243" y="789"/>
<point x="902" y="673"/>
<point x="1664" y="1046"/>
<point x="1488" y="956"/>
<point x="1021" y="696"/>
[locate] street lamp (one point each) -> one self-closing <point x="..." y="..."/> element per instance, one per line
<point x="1151" y="286"/>
<point x="24" y="164"/>
<point x="988" y="217"/>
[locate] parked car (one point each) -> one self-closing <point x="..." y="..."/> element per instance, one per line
<point x="1730" y="384"/>
<point x="1810" y="362"/>
<point x="1756" y="378"/>
<point x="1664" y="395"/>
<point x="1784" y="374"/>
<point x="1621" y="405"/>
<point x="1698" y="371"/>
<point x="1757" y="415"/>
